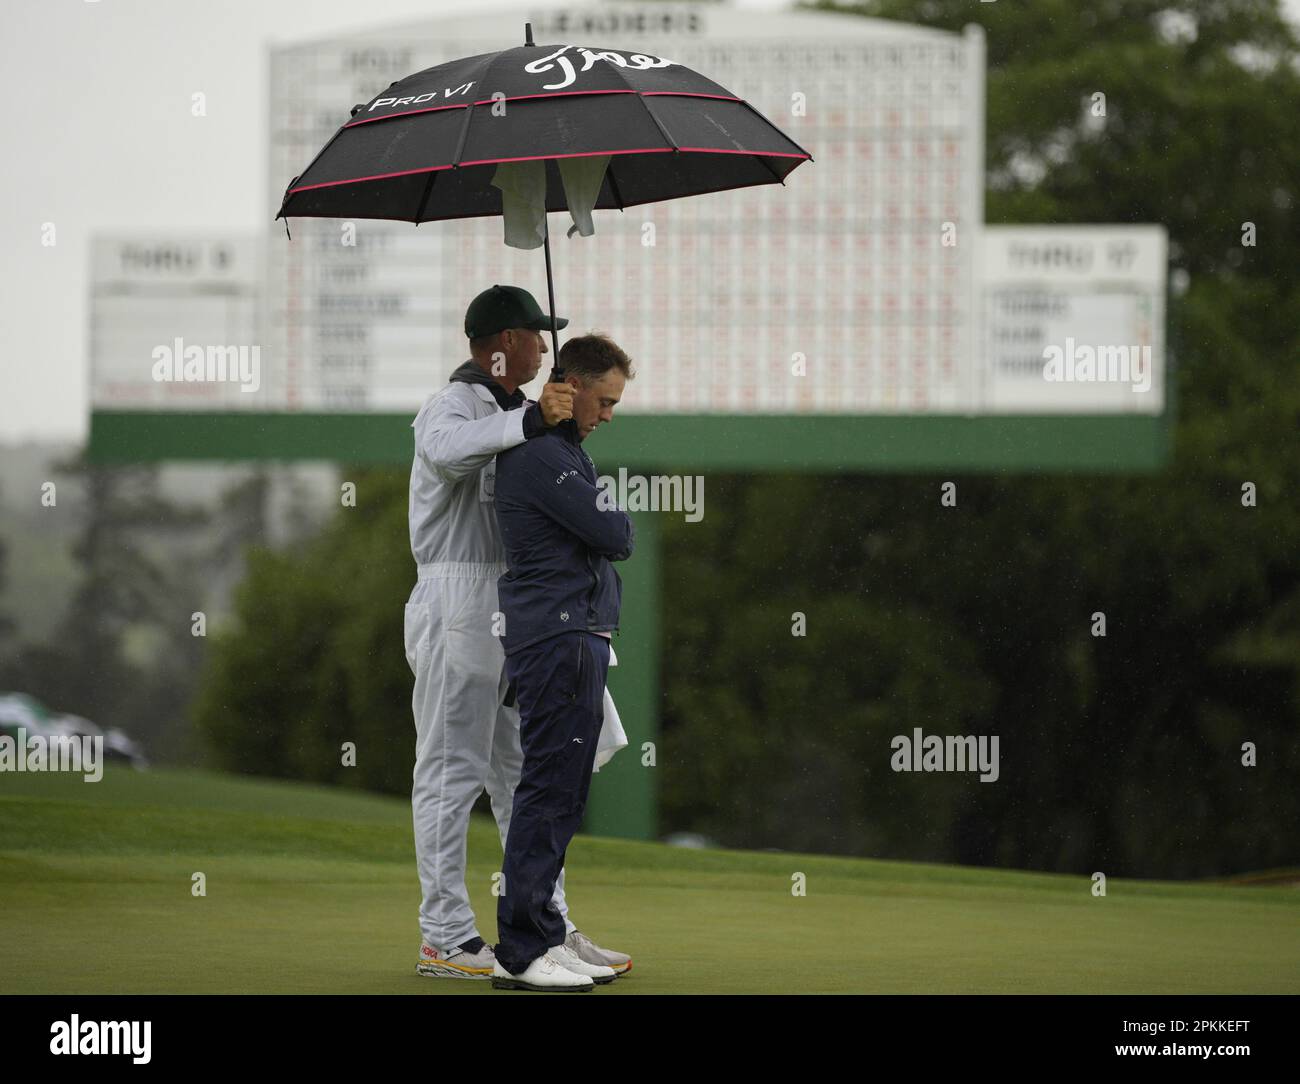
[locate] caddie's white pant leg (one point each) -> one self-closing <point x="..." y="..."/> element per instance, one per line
<point x="507" y="763"/>
<point x="454" y="704"/>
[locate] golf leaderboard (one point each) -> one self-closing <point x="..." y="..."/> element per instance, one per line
<point x="870" y="295"/>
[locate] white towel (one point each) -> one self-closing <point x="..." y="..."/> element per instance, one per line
<point x="523" y="201"/>
<point x="582" y="179"/>
<point x="612" y="738"/>
<point x="523" y="196"/>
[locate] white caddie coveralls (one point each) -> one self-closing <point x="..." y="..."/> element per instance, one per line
<point x="466" y="739"/>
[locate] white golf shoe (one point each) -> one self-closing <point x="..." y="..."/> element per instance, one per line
<point x="571" y="961"/>
<point x="544" y="974"/>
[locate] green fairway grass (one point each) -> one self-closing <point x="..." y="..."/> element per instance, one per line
<point x="312" y="889"/>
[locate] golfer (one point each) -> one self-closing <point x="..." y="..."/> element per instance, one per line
<point x="467" y="735"/>
<point x="560" y="598"/>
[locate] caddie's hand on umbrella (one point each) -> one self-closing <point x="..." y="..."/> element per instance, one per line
<point x="556" y="402"/>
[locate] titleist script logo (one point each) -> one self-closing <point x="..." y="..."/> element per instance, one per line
<point x="556" y="60"/>
<point x="564" y="63"/>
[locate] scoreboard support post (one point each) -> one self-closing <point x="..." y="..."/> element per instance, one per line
<point x="622" y="799"/>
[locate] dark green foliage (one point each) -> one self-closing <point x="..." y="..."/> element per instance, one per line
<point x="315" y="657"/>
<point x="1120" y="753"/>
<point x="132" y="583"/>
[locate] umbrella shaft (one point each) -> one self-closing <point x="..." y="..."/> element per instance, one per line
<point x="556" y="372"/>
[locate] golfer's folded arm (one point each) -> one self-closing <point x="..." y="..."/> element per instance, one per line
<point x="456" y="444"/>
<point x="563" y="494"/>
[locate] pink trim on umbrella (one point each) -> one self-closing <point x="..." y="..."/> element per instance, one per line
<point x="752" y="154"/>
<point x="557" y="94"/>
<point x="687" y="94"/>
<point x="358" y="180"/>
<point x="497" y="214"/>
<point x="408" y="113"/>
<point x="536" y="157"/>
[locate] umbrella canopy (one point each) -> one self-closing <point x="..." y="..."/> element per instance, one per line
<point x="427" y="147"/>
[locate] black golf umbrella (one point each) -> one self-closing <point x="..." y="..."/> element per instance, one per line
<point x="428" y="147"/>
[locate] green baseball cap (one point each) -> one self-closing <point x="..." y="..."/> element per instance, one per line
<point x="504" y="307"/>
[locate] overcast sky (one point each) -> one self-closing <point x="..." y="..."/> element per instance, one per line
<point x="98" y="137"/>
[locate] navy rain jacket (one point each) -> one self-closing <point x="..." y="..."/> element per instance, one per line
<point x="559" y="541"/>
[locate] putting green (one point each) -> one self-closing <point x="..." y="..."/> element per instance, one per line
<point x="313" y="890"/>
